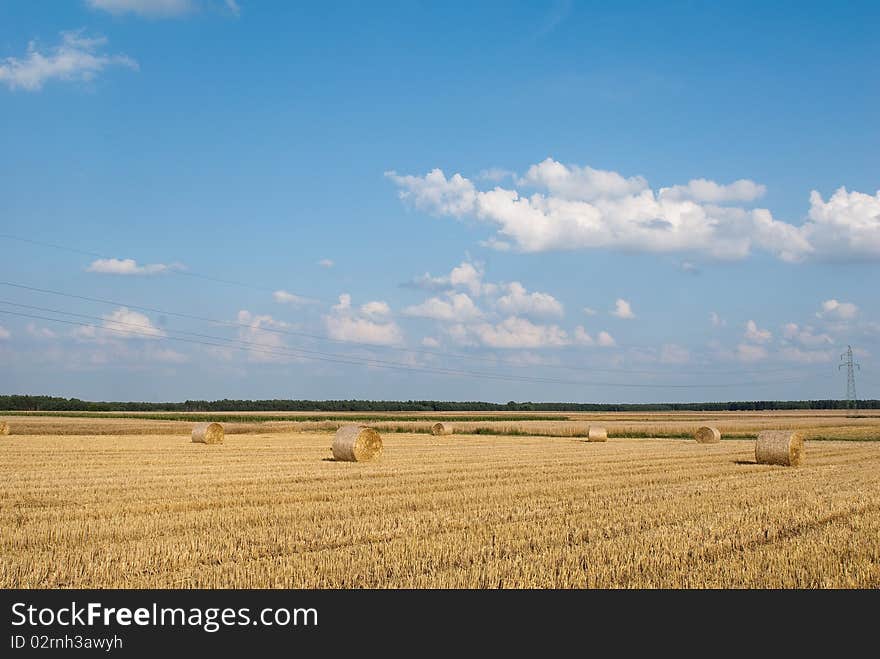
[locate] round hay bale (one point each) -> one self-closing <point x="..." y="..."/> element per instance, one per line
<point x="597" y="434"/>
<point x="708" y="435"/>
<point x="4" y="428"/>
<point x="356" y="444"/>
<point x="208" y="433"/>
<point x="780" y="447"/>
<point x="441" y="429"/>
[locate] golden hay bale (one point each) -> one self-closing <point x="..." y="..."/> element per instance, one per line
<point x="597" y="434"/>
<point x="441" y="429"/>
<point x="708" y="435"/>
<point x="356" y="444"/>
<point x="208" y="433"/>
<point x="4" y="428"/>
<point x="780" y="447"/>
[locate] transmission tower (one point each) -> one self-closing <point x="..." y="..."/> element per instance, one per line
<point x="847" y="359"/>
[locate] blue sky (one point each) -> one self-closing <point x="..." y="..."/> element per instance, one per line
<point x="527" y="201"/>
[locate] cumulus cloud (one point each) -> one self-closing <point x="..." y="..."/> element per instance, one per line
<point x="704" y="190"/>
<point x="580" y="183"/>
<point x="4" y="333"/>
<point x="846" y="226"/>
<point x="561" y="207"/>
<point x="258" y="329"/>
<point x="121" y="323"/>
<point x="605" y="340"/>
<point x="346" y="324"/>
<point x="589" y="311"/>
<point x="150" y="8"/>
<point x="376" y="309"/>
<point x="130" y="267"/>
<point x="716" y="320"/>
<point x="623" y="309"/>
<point x="519" y="301"/>
<point x="78" y="58"/>
<point x="805" y="336"/>
<point x="583" y="338"/>
<point x="514" y="333"/>
<point x="430" y="342"/>
<point x="326" y="263"/>
<point x="457" y="307"/>
<point x="755" y="334"/>
<point x="837" y="310"/>
<point x="467" y="275"/>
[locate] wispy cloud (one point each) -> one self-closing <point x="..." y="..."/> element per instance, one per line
<point x="326" y="263"/>
<point x="151" y="8"/>
<point x="78" y="58"/>
<point x="131" y="267"/>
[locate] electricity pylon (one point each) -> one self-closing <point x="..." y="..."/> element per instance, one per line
<point x="847" y="359"/>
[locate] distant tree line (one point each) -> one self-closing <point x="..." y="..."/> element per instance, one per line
<point x="55" y="404"/>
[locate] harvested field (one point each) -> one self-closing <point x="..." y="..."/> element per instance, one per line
<point x="461" y="511"/>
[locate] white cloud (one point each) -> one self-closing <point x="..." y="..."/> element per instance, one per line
<point x="232" y="6"/>
<point x="748" y="352"/>
<point x="805" y="336"/>
<point x="430" y="342"/>
<point x="590" y="311"/>
<point x="846" y="226"/>
<point x="326" y="263"/>
<point x="150" y="8"/>
<point x="689" y="267"/>
<point x="838" y="310"/>
<point x="793" y="354"/>
<point x="582" y="337"/>
<point x="130" y="267"/>
<point x="580" y="183"/>
<point x="517" y="333"/>
<point x="121" y="323"/>
<point x="376" y="309"/>
<point x="672" y="353"/>
<point x="4" y="333"/>
<point x="584" y="208"/>
<point x="495" y="174"/>
<point x="467" y="275"/>
<point x="435" y="193"/>
<point x="605" y="340"/>
<point x="76" y="59"/>
<point x="39" y="332"/>
<point x="519" y="301"/>
<point x="755" y="334"/>
<point x="283" y="297"/>
<point x="458" y="307"/>
<point x="343" y="324"/>
<point x="258" y="329"/>
<point x="716" y="320"/>
<point x="709" y="191"/>
<point x="623" y="309"/>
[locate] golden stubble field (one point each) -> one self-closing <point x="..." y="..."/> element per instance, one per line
<point x="271" y="510"/>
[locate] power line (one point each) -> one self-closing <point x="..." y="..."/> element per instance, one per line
<point x="319" y="337"/>
<point x="313" y="355"/>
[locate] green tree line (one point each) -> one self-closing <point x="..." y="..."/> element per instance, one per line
<point x="56" y="404"/>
